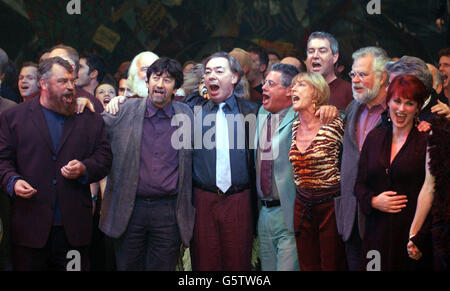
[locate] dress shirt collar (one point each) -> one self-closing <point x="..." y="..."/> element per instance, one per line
<point x="231" y="103"/>
<point x="151" y="110"/>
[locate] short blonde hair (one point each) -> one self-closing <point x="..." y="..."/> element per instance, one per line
<point x="321" y="88"/>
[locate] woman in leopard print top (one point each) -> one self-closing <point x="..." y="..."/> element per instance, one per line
<point x="314" y="156"/>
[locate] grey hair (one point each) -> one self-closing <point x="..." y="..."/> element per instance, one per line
<point x="133" y="70"/>
<point x="328" y="36"/>
<point x="3" y="60"/>
<point x="288" y="72"/>
<point x="408" y="65"/>
<point x="45" y="67"/>
<point x="380" y="58"/>
<point x="235" y="67"/>
<point x="439" y="79"/>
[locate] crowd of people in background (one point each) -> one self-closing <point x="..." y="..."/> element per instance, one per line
<point x="319" y="171"/>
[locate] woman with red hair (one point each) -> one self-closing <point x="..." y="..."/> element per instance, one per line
<point x="390" y="176"/>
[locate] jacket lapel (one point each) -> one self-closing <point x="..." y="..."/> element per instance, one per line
<point x="288" y="118"/>
<point x="39" y="121"/>
<point x="352" y="123"/>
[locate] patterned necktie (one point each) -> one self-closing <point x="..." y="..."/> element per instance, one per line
<point x="223" y="167"/>
<point x="266" y="161"/>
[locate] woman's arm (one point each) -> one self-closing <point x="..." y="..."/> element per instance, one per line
<point x="424" y="201"/>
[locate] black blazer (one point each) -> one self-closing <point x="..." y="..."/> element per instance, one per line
<point x="26" y="150"/>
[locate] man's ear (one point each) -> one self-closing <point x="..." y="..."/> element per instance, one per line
<point x="234" y="79"/>
<point x="262" y="68"/>
<point x="93" y="74"/>
<point x="43" y="83"/>
<point x="335" y="58"/>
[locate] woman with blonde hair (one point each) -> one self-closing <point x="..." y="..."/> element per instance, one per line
<point x="314" y="156"/>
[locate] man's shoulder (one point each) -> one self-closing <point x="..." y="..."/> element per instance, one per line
<point x="180" y="106"/>
<point x="10" y="108"/>
<point x="89" y="117"/>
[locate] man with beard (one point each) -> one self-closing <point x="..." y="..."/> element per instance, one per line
<point x="29" y="81"/>
<point x="71" y="55"/>
<point x="136" y="82"/>
<point x="369" y="82"/>
<point x="147" y="207"/>
<point x="223" y="172"/>
<point x="322" y="53"/>
<point x="48" y="158"/>
<point x="137" y="73"/>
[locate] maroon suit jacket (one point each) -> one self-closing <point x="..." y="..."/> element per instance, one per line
<point x="26" y="150"/>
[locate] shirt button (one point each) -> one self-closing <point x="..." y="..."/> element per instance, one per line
<point x="54" y="158"/>
<point x="54" y="181"/>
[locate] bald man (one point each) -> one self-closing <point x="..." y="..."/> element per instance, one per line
<point x="295" y="62"/>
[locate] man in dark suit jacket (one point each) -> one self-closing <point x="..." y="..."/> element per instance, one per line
<point x="224" y="172"/>
<point x="147" y="207"/>
<point x="48" y="158"/>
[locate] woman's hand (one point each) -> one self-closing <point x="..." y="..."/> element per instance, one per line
<point x="389" y="202"/>
<point x="413" y="252"/>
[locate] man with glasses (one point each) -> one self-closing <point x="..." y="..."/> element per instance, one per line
<point x="322" y="53"/>
<point x="369" y="82"/>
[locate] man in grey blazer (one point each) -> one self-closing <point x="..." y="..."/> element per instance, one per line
<point x="369" y="83"/>
<point x="147" y="206"/>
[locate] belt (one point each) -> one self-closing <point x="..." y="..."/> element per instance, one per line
<point x="270" y="203"/>
<point x="157" y="197"/>
<point x="213" y="189"/>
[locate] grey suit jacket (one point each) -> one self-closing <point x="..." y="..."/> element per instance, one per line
<point x="346" y="205"/>
<point x="125" y="133"/>
<point x="282" y="167"/>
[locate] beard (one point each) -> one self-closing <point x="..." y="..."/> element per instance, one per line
<point x="139" y="87"/>
<point x="64" y="104"/>
<point x="368" y="94"/>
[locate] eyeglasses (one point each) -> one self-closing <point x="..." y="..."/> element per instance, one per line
<point x="270" y="83"/>
<point x="360" y="75"/>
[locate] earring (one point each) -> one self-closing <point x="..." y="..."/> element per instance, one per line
<point x="388" y="116"/>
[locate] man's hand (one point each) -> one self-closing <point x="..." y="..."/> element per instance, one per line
<point x="389" y="202"/>
<point x="73" y="170"/>
<point x="82" y="102"/>
<point x="441" y="109"/>
<point x="440" y="23"/>
<point x="413" y="252"/>
<point x="113" y="106"/>
<point x="424" y="126"/>
<point x="327" y="113"/>
<point x="23" y="189"/>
